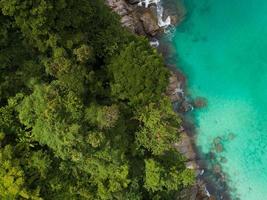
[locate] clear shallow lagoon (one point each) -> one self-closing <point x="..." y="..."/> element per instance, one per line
<point x="222" y="48"/>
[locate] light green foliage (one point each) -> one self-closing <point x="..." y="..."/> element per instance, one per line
<point x="82" y="109"/>
<point x="83" y="53"/>
<point x="95" y="139"/>
<point x="53" y="116"/>
<point x="12" y="177"/>
<point x="152" y="177"/>
<point x="158" y="130"/>
<point x="103" y="117"/>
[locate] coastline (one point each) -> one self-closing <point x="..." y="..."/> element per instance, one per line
<point x="141" y="18"/>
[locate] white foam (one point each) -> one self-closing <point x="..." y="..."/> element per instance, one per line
<point x="162" y="23"/>
<point x="154" y="43"/>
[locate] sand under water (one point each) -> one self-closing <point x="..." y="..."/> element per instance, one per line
<point x="222" y="49"/>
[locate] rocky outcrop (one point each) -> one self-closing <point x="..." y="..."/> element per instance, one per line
<point x="185" y="147"/>
<point x="175" y="90"/>
<point x="139" y="19"/>
<point x="149" y="21"/>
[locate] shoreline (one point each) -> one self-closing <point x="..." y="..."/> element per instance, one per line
<point x="143" y="20"/>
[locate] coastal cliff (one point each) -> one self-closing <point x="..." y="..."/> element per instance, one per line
<point x="147" y="18"/>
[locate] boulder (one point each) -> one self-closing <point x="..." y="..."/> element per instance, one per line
<point x="150" y="23"/>
<point x="185" y="147"/>
<point x="185" y="107"/>
<point x="174" y="90"/>
<point x="133" y="1"/>
<point x="128" y="21"/>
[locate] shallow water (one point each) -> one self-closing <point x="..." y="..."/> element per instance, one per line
<point x="222" y="48"/>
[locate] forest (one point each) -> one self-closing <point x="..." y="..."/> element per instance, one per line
<point x="83" y="110"/>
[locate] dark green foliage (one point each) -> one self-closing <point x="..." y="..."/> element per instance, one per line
<point x="82" y="108"/>
<point x="131" y="74"/>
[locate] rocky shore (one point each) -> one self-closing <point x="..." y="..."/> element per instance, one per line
<point x="142" y="17"/>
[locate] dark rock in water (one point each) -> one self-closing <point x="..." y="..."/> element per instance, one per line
<point x="223" y="160"/>
<point x="217" y="140"/>
<point x="199" y="102"/>
<point x="211" y="156"/>
<point x="176" y="10"/>
<point x="218" y="148"/>
<point x="217" y="169"/>
<point x="185" y="106"/>
<point x="231" y="136"/>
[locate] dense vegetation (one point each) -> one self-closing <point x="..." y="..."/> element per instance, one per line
<point x="82" y="108"/>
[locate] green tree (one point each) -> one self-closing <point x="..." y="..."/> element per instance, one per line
<point x="83" y="114"/>
<point x="12" y="177"/>
<point x="131" y="71"/>
<point x="158" y="127"/>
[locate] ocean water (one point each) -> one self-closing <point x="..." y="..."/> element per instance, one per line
<point x="222" y="48"/>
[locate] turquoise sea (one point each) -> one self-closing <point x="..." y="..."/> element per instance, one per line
<point x="222" y="49"/>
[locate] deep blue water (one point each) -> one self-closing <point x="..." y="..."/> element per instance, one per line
<point x="222" y="49"/>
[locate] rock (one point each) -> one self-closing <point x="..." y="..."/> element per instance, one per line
<point x="231" y="136"/>
<point x="202" y="193"/>
<point x="218" y="148"/>
<point x="211" y="156"/>
<point x="191" y="165"/>
<point x="223" y="160"/>
<point x="185" y="147"/>
<point x="185" y="107"/>
<point x="217" y="169"/>
<point x="174" y="90"/>
<point x="188" y="193"/>
<point x="133" y="1"/>
<point x="174" y="19"/>
<point x="128" y="22"/>
<point x="217" y="140"/>
<point x="199" y="102"/>
<point x="150" y="23"/>
<point x="181" y="129"/>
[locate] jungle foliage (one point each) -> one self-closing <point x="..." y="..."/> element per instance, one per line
<point x="82" y="108"/>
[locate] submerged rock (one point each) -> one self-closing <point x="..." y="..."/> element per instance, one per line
<point x="217" y="169"/>
<point x="223" y="160"/>
<point x="200" y="102"/>
<point x="186" y="106"/>
<point x="217" y="140"/>
<point x="231" y="136"/>
<point x="218" y="148"/>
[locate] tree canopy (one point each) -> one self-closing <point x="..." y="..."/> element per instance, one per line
<point x="82" y="108"/>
